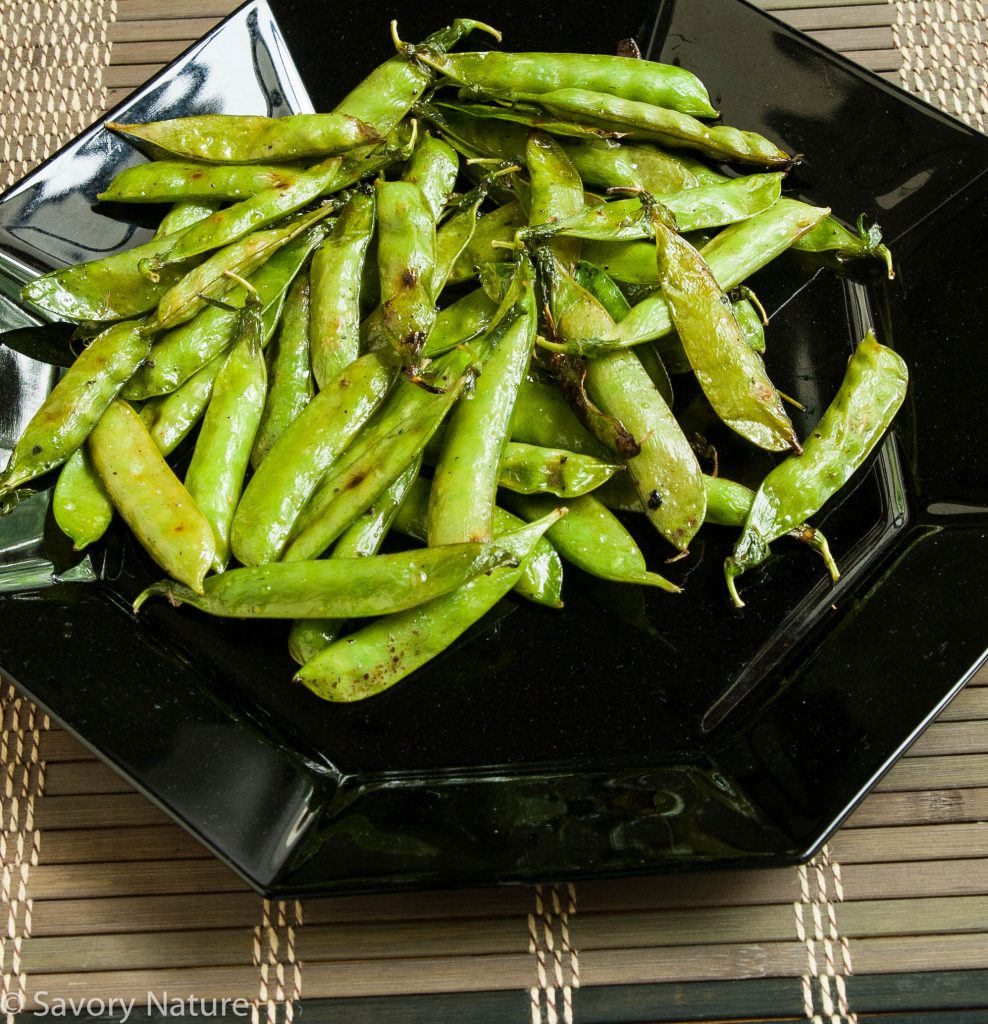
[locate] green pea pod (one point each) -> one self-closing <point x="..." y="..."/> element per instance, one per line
<point x="537" y="120"/>
<point x="212" y="279"/>
<point x="367" y="471"/>
<point x="597" y="543"/>
<point x="302" y="455"/>
<point x="873" y="389"/>
<point x="464" y="485"/>
<point x="530" y="469"/>
<point x="75" y="404"/>
<point x="169" y="181"/>
<point x="184" y="214"/>
<point x="464" y="320"/>
<point x="705" y="206"/>
<point x="452" y="240"/>
<point x="734" y="254"/>
<point x="250" y="138"/>
<point x="80" y="503"/>
<point x="308" y="637"/>
<point x="638" y="165"/>
<point x="665" y="472"/>
<point x="388" y="93"/>
<point x="338" y="587"/>
<point x="149" y="497"/>
<point x="543" y="417"/>
<point x="337" y="268"/>
<point x="557" y="192"/>
<point x="669" y="127"/>
<point x="751" y="321"/>
<point x="290" y="379"/>
<point x="505" y="75"/>
<point x="829" y="236"/>
<point x="541" y="580"/>
<point x="180" y="353"/>
<point x="732" y="376"/>
<point x="112" y="288"/>
<point x="499" y="225"/>
<point x="384" y="652"/>
<point x="434" y="167"/>
<point x="406" y="260"/>
<point x="215" y="477"/>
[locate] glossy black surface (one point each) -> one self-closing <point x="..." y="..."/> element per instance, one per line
<point x="634" y="731"/>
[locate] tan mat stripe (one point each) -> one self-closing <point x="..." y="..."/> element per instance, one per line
<point x="943" y="45"/>
<point x="274" y="956"/>
<point x="557" y="962"/>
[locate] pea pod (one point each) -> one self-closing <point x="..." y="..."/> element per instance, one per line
<point x="308" y="637"/>
<point x="530" y="469"/>
<point x="704" y="206"/>
<point x="406" y="260"/>
<point x="499" y="225"/>
<point x="557" y="193"/>
<point x="301" y="456"/>
<point x="735" y="253"/>
<point x="180" y="353"/>
<point x="169" y="181"/>
<point x="150" y="498"/>
<point x="337" y="267"/>
<point x="830" y="236"/>
<point x="80" y="503"/>
<point x="250" y="138"/>
<point x="75" y="404"/>
<point x="213" y="279"/>
<point x="433" y="166"/>
<point x="169" y="418"/>
<point x="461" y="504"/>
<point x="338" y="587"/>
<point x="384" y="652"/>
<point x="732" y="376"/>
<point x="290" y="379"/>
<point x="215" y="477"/>
<point x="595" y="541"/>
<point x="665" y="472"/>
<point x="543" y="417"/>
<point x="873" y="389"/>
<point x="112" y="288"/>
<point x="368" y="470"/>
<point x="669" y="127"/>
<point x="463" y="321"/>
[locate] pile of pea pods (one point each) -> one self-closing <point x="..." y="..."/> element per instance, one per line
<point x="452" y="308"/>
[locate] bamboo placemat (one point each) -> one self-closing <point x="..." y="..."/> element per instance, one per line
<point x="103" y="898"/>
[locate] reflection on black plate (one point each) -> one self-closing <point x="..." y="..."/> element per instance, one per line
<point x="634" y="731"/>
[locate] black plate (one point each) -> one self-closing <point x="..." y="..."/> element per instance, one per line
<point x="634" y="731"/>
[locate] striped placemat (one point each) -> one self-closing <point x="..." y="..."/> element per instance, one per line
<point x="102" y="898"/>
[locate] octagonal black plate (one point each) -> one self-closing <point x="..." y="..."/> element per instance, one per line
<point x="634" y="731"/>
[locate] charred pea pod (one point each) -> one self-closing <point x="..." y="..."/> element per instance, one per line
<point x="180" y="353"/>
<point x="112" y="288"/>
<point x="641" y="121"/>
<point x="369" y="468"/>
<point x="385" y="651"/>
<point x="308" y="637"/>
<point x="215" y="477"/>
<point x="732" y="376"/>
<point x="249" y="138"/>
<point x="302" y="455"/>
<point x="338" y="587"/>
<point x="337" y="267"/>
<point x="734" y="254"/>
<point x="665" y="472"/>
<point x="597" y="543"/>
<point x="184" y="214"/>
<point x="212" y="279"/>
<point x="150" y="498"/>
<point x="75" y="405"/>
<point x="170" y="181"/>
<point x="531" y="469"/>
<point x="868" y="399"/>
<point x="705" y="206"/>
<point x="290" y="378"/>
<point x="80" y="504"/>
<point x="388" y="93"/>
<point x="406" y="260"/>
<point x="464" y="485"/>
<point x="233" y="223"/>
